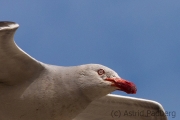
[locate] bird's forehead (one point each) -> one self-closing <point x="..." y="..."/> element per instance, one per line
<point x="97" y="67"/>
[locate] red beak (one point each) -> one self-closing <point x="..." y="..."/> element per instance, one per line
<point x="123" y="85"/>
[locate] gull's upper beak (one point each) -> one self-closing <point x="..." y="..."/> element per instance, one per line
<point x="123" y="85"/>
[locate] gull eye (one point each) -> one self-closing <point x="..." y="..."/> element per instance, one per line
<point x="100" y="71"/>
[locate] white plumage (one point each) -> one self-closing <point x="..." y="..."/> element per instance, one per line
<point x="32" y="90"/>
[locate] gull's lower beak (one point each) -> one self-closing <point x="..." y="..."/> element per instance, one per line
<point x="123" y="85"/>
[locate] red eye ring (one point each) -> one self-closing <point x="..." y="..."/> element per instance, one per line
<point x="100" y="71"/>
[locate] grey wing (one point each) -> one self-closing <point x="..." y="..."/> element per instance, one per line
<point x="114" y="107"/>
<point x="15" y="64"/>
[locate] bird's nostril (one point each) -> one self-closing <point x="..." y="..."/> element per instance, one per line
<point x="127" y="82"/>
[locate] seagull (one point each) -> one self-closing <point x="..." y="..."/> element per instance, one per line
<point x="32" y="90"/>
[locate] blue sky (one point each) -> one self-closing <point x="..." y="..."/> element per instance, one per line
<point x="140" y="40"/>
